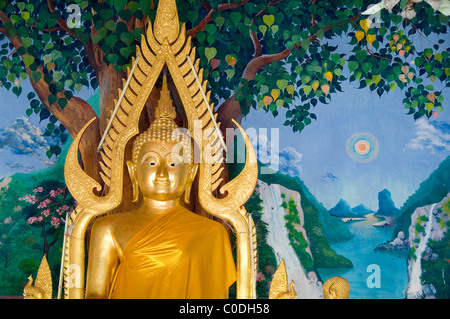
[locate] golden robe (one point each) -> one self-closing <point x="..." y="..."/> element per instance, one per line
<point x="178" y="255"/>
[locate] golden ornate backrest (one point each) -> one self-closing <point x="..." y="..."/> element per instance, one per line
<point x="163" y="45"/>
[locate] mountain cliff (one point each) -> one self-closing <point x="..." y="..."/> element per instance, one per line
<point x="342" y="209"/>
<point x="386" y="206"/>
<point x="429" y="245"/>
<point x="430" y="191"/>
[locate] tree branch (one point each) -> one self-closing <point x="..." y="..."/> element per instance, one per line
<point x="202" y="24"/>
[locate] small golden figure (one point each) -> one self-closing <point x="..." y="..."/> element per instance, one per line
<point x="336" y="288"/>
<point x="279" y="288"/>
<point x="42" y="288"/>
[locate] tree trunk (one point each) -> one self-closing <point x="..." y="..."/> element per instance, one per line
<point x="46" y="248"/>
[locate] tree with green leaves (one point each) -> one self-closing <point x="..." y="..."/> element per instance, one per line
<point x="266" y="55"/>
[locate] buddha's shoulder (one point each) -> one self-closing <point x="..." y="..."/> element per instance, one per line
<point x="202" y="222"/>
<point x="110" y="222"/>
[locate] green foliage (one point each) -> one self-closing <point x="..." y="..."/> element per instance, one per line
<point x="437" y="272"/>
<point x="296" y="237"/>
<point x="267" y="263"/>
<point x="20" y="242"/>
<point x="419" y="229"/>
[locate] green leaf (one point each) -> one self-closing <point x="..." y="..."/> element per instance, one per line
<point x="8" y="64"/>
<point x="307" y="89"/>
<point x="230" y="72"/>
<point x="235" y="17"/>
<point x="305" y="44"/>
<point x="27" y="42"/>
<point x="361" y="55"/>
<point x="366" y="67"/>
<point x="352" y="66"/>
<point x="52" y="99"/>
<point x="28" y="60"/>
<point x="269" y="19"/>
<point x="282" y="84"/>
<point x="219" y="21"/>
<point x="210" y="53"/>
<point x="111" y="40"/>
<point x="96" y="38"/>
<point x="127" y="38"/>
<point x="125" y="52"/>
<point x="57" y="76"/>
<point x="28" y="112"/>
<point x="119" y="4"/>
<point x="111" y="25"/>
<point x="62" y="102"/>
<point x="263" y="89"/>
<point x="36" y="76"/>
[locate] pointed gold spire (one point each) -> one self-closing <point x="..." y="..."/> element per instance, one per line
<point x="165" y="107"/>
<point x="166" y="22"/>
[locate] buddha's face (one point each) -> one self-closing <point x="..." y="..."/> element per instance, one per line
<point x="161" y="173"/>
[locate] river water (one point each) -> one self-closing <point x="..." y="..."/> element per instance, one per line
<point x="376" y="274"/>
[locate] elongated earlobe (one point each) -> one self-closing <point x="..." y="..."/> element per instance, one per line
<point x="132" y="171"/>
<point x="187" y="192"/>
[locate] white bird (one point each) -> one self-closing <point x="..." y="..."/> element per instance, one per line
<point x="408" y="12"/>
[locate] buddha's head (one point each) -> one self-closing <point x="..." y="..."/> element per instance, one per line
<point x="336" y="288"/>
<point x="161" y="166"/>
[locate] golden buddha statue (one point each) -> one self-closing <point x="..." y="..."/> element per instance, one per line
<point x="161" y="249"/>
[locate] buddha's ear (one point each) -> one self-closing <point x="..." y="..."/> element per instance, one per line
<point x="132" y="171"/>
<point x="193" y="171"/>
<point x="191" y="176"/>
<point x="333" y="292"/>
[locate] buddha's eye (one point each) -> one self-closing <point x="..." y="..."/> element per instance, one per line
<point x="173" y="160"/>
<point x="151" y="161"/>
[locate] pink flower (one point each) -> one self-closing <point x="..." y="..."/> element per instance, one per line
<point x="64" y="208"/>
<point x="38" y="190"/>
<point x="32" y="220"/>
<point x="29" y="199"/>
<point x="46" y="212"/>
<point x="55" y="221"/>
<point x="40" y="218"/>
<point x="44" y="203"/>
<point x="260" y="277"/>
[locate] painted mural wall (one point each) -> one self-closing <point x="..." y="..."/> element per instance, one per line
<point x="350" y="127"/>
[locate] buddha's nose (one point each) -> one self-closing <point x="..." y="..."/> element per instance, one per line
<point x="162" y="171"/>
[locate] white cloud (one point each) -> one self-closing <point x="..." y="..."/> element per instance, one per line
<point x="23" y="138"/>
<point x="434" y="137"/>
<point x="290" y="162"/>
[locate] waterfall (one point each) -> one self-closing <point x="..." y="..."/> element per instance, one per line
<point x="278" y="239"/>
<point x="414" y="289"/>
